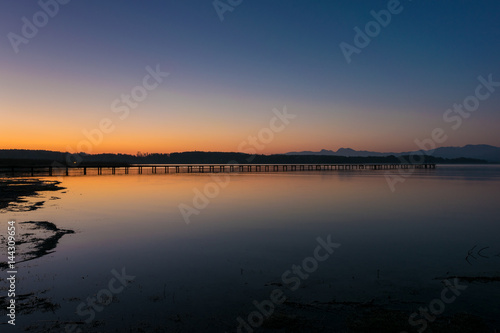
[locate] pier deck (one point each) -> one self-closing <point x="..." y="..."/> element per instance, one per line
<point x="58" y="170"/>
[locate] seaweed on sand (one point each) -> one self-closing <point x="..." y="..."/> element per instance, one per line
<point x="40" y="241"/>
<point x="13" y="191"/>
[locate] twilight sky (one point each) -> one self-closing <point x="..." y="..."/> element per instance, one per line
<point x="82" y="82"/>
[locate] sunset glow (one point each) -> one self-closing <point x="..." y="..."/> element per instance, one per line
<point x="225" y="79"/>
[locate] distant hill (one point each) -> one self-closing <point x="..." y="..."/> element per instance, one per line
<point x="20" y="154"/>
<point x="342" y="152"/>
<point x="42" y="157"/>
<point x="483" y="152"/>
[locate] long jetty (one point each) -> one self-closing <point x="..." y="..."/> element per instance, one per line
<point x="52" y="170"/>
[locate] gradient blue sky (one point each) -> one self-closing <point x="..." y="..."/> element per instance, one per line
<point x="226" y="77"/>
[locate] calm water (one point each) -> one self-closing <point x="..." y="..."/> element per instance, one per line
<point x="202" y="276"/>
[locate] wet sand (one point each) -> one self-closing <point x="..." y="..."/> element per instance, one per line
<point x="15" y="191"/>
<point x="34" y="239"/>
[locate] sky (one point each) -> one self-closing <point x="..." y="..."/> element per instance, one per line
<point x="252" y="76"/>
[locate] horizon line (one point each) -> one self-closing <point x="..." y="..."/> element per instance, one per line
<point x="235" y="152"/>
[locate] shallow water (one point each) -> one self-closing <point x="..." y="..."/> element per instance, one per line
<point x="396" y="246"/>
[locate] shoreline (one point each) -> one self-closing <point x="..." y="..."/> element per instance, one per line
<point x="35" y="239"/>
<point x="14" y="191"/>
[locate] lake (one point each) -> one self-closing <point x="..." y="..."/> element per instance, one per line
<point x="323" y="251"/>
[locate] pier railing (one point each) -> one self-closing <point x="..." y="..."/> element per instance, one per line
<point x="196" y="168"/>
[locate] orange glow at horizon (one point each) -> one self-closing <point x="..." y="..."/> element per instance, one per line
<point x="174" y="123"/>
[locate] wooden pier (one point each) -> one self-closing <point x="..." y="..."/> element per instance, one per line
<point x="61" y="170"/>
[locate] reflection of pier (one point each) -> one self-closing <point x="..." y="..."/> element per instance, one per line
<point x="61" y="170"/>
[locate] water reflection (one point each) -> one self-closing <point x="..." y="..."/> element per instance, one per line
<point x="206" y="274"/>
